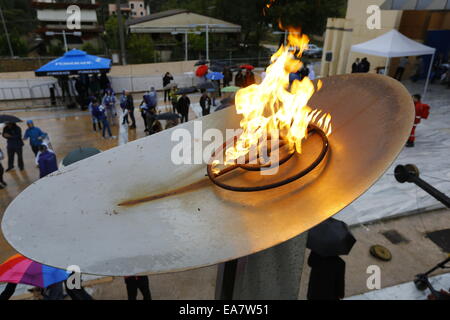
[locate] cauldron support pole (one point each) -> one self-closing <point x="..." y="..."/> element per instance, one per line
<point x="410" y="173"/>
<point x="274" y="273"/>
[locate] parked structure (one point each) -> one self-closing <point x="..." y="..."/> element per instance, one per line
<point x="177" y="24"/>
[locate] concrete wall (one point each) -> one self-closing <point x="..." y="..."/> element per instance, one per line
<point x="341" y="34"/>
<point x="338" y="41"/>
<point x="356" y="11"/>
<point x="138" y="77"/>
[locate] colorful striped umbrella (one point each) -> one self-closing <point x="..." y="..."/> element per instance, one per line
<point x="19" y="269"/>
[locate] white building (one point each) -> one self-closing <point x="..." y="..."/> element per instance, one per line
<point x="53" y="16"/>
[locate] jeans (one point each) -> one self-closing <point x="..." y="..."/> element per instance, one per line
<point x="11" y="152"/>
<point x="106" y="127"/>
<point x="35" y="150"/>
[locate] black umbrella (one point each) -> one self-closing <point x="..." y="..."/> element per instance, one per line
<point x="167" y="116"/>
<point x="79" y="154"/>
<point x="7" y="118"/>
<point x="186" y="90"/>
<point x="200" y="63"/>
<point x="330" y="238"/>
<point x="217" y="68"/>
<point x="205" y="85"/>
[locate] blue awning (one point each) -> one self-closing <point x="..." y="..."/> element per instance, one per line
<point x="75" y="62"/>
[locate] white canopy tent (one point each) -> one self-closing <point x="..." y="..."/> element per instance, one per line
<point x="393" y="44"/>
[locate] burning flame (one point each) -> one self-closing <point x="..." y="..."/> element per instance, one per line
<point x="276" y="105"/>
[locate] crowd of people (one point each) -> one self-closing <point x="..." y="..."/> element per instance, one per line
<point x="45" y="158"/>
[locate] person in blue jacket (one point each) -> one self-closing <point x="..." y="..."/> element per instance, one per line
<point x="36" y="136"/>
<point x="47" y="161"/>
<point x="99" y="113"/>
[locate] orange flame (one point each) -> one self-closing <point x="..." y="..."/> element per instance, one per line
<point x="276" y="105"/>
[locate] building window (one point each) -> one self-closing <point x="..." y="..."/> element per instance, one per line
<point x="132" y="5"/>
<point x="141" y="5"/>
<point x="142" y="13"/>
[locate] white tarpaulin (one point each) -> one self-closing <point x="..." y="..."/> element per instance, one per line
<point x="394" y="44"/>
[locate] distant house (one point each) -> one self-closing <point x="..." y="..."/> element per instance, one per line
<point x="52" y="16"/>
<point x="175" y="24"/>
<point x="132" y="9"/>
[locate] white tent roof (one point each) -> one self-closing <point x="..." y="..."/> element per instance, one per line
<point x="393" y="44"/>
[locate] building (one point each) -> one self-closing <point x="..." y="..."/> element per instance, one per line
<point x="423" y="22"/>
<point x="52" y="16"/>
<point x="176" y="24"/>
<point x="133" y="9"/>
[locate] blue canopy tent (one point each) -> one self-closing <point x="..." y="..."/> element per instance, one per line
<point x="75" y="62"/>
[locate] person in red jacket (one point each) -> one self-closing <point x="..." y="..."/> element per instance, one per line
<point x="422" y="112"/>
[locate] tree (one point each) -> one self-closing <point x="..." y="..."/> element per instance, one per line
<point x="19" y="17"/>
<point x="56" y="49"/>
<point x="18" y="45"/>
<point x="111" y="36"/>
<point x="140" y="48"/>
<point x="90" y="48"/>
<point x="310" y="15"/>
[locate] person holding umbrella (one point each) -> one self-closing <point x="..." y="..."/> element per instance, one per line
<point x="215" y="77"/>
<point x="327" y="242"/>
<point x="249" y="78"/>
<point x="166" y="80"/>
<point x="183" y="107"/>
<point x="227" y="76"/>
<point x="19" y="269"/>
<point x="239" y="79"/>
<point x="36" y="136"/>
<point x="13" y="134"/>
<point x="205" y="103"/>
